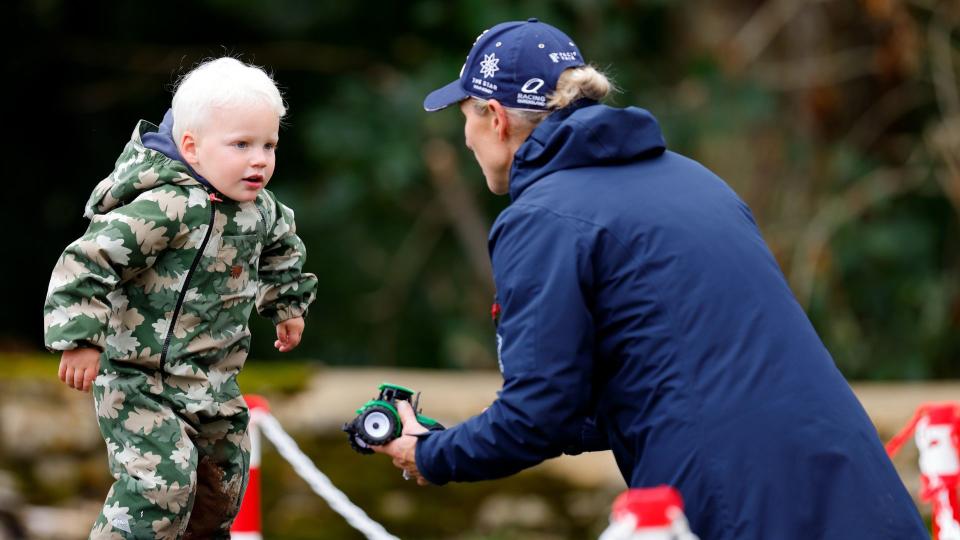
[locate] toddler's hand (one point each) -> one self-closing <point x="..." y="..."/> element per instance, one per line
<point x="288" y="334"/>
<point x="78" y="367"/>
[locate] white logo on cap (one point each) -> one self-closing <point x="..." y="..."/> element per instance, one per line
<point x="532" y="86"/>
<point x="488" y="66"/>
<point x="567" y="56"/>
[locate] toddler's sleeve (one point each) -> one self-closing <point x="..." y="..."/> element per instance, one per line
<point x="116" y="247"/>
<point x="285" y="291"/>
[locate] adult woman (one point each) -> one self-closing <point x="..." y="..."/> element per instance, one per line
<point x="642" y="312"/>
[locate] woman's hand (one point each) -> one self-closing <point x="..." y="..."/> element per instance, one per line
<point x="403" y="449"/>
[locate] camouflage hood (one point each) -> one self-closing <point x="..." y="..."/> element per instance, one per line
<point x="138" y="169"/>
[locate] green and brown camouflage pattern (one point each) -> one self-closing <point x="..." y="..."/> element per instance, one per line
<point x="177" y="476"/>
<point x="163" y="282"/>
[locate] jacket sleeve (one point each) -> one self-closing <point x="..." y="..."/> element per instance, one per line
<point x="116" y="247"/>
<point x="592" y="438"/>
<point x="285" y="290"/>
<point x="545" y="339"/>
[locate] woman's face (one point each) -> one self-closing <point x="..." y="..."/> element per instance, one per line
<point x="493" y="152"/>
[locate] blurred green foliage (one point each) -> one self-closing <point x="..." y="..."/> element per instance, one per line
<point x="836" y="121"/>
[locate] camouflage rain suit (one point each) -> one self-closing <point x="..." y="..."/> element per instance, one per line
<point x="163" y="283"/>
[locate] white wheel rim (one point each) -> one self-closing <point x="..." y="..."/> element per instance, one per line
<point x="377" y="425"/>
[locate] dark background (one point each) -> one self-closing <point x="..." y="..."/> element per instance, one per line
<point x="838" y="122"/>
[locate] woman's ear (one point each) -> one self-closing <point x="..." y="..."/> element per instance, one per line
<point x="188" y="147"/>
<point x="499" y="119"/>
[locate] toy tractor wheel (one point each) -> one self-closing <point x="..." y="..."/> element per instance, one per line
<point x="358" y="445"/>
<point x="376" y="426"/>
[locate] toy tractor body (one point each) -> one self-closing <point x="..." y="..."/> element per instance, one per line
<point x="378" y="421"/>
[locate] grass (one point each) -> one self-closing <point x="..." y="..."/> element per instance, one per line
<point x="20" y="366"/>
<point x="276" y="376"/>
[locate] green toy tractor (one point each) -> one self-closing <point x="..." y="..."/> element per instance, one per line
<point x="378" y="421"/>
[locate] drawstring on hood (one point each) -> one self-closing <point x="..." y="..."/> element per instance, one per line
<point x="585" y="134"/>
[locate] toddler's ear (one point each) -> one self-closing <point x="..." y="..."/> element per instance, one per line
<point x="188" y="147"/>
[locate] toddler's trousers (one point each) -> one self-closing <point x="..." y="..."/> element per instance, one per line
<point x="180" y="466"/>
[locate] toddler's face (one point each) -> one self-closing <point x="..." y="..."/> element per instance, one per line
<point x="236" y="150"/>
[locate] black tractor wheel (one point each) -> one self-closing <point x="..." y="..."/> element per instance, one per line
<point x="377" y="425"/>
<point x="358" y="446"/>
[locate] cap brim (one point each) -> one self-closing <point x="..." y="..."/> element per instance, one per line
<point x="444" y="97"/>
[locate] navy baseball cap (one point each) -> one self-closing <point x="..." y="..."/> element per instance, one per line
<point x="517" y="63"/>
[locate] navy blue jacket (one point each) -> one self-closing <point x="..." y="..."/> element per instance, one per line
<point x="642" y="312"/>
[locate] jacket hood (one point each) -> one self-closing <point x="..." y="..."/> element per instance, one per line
<point x="162" y="141"/>
<point x="585" y="134"/>
<point x="149" y="159"/>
